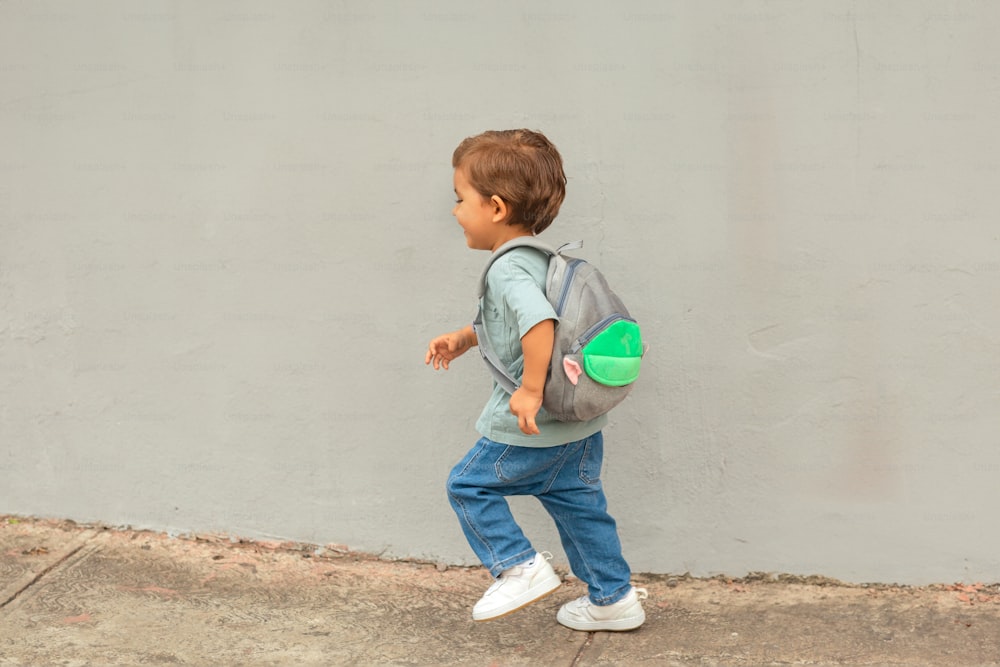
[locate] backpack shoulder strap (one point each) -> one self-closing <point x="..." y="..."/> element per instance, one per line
<point x="496" y="367"/>
<point x="519" y="242"/>
<point x="500" y="374"/>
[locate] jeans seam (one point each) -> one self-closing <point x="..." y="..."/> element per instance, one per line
<point x="465" y="512"/>
<point x="472" y="459"/>
<point x="552" y="478"/>
<point x="472" y="526"/>
<point x="496" y="465"/>
<point x="583" y="463"/>
<point x="583" y="558"/>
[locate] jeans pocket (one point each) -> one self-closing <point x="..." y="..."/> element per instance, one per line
<point x="519" y="464"/>
<point x="590" y="463"/>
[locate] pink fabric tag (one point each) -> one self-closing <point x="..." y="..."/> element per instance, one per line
<point x="573" y="370"/>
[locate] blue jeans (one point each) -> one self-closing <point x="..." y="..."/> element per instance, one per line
<point x="567" y="481"/>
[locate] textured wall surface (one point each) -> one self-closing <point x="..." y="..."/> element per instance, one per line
<point x="225" y="238"/>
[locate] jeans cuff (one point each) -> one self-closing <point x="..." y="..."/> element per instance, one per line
<point x="613" y="598"/>
<point x="508" y="563"/>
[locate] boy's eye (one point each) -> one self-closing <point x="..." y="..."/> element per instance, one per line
<point x="458" y="201"/>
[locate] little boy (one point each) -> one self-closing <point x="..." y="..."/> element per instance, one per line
<point x="511" y="183"/>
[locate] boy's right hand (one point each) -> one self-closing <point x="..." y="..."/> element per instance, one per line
<point x="444" y="349"/>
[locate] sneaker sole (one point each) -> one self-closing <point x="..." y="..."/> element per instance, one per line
<point x="554" y="583"/>
<point x="619" y="625"/>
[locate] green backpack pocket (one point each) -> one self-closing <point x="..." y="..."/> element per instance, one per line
<point x="613" y="356"/>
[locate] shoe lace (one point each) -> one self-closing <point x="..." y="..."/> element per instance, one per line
<point x="641" y="593"/>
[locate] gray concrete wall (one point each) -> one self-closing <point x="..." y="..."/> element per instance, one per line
<point x="225" y="238"/>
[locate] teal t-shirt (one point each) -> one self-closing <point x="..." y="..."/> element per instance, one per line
<point x="514" y="302"/>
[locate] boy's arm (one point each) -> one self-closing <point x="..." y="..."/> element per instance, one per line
<point x="443" y="349"/>
<point x="527" y="400"/>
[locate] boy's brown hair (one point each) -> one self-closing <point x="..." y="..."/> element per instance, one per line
<point x="522" y="167"/>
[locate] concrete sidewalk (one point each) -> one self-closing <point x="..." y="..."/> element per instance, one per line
<point x="73" y="595"/>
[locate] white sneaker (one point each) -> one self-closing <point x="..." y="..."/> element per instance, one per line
<point x="626" y="614"/>
<point x="517" y="587"/>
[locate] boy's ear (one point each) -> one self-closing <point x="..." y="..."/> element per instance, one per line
<point x="500" y="209"/>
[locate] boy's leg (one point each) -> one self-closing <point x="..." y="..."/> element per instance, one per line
<point x="477" y="496"/>
<point x="476" y="489"/>
<point x="589" y="534"/>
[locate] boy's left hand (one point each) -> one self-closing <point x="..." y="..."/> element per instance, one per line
<point x="525" y="405"/>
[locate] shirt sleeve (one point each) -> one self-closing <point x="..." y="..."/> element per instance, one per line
<point x="523" y="294"/>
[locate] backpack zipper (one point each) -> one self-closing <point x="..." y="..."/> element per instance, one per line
<point x="590" y="333"/>
<point x="571" y="265"/>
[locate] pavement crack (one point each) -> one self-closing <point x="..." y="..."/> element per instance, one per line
<point x="11" y="595"/>
<point x="583" y="649"/>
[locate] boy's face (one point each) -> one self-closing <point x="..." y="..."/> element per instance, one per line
<point x="477" y="216"/>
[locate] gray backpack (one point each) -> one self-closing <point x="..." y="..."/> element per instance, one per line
<point x="598" y="346"/>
